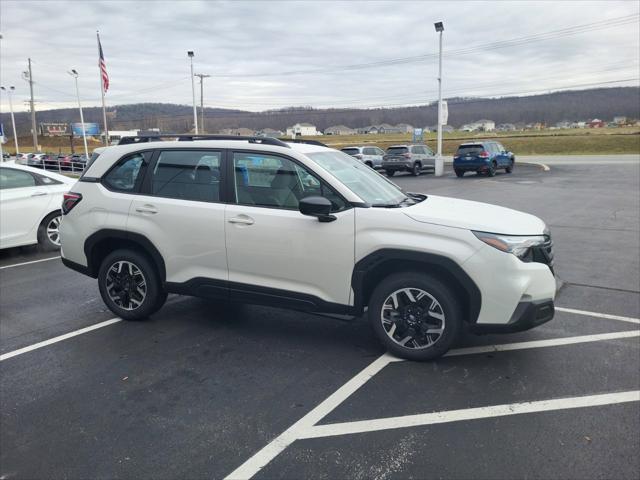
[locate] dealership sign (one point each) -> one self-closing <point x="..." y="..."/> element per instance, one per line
<point x="54" y="129"/>
<point x="89" y="128"/>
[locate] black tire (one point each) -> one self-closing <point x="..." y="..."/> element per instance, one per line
<point x="449" y="305"/>
<point x="459" y="173"/>
<point x="509" y="169"/>
<point x="154" y="296"/>
<point x="417" y="168"/>
<point x="390" y="173"/>
<point x="491" y="171"/>
<point x="369" y="164"/>
<point x="47" y="239"/>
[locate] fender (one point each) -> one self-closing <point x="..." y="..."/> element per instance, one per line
<point x="112" y="234"/>
<point x="382" y="258"/>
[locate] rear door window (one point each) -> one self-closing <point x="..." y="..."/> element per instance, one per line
<point x="187" y="175"/>
<point x="351" y="151"/>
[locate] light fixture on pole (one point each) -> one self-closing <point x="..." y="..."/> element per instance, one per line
<point x="193" y="92"/>
<point x="10" y="91"/>
<point x="74" y="74"/>
<point x="439" y="160"/>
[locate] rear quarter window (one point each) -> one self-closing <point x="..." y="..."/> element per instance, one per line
<point x="351" y="151"/>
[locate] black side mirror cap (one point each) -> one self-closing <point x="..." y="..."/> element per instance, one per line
<point x="318" y="207"/>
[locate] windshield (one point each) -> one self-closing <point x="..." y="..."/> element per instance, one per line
<point x="470" y="149"/>
<point x="362" y="180"/>
<point x="397" y="150"/>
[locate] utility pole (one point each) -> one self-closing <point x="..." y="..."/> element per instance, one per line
<point x="74" y="74"/>
<point x="193" y="93"/>
<point x="202" y="76"/>
<point x="29" y="77"/>
<point x="439" y="160"/>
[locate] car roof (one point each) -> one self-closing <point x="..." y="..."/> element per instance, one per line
<point x="46" y="173"/>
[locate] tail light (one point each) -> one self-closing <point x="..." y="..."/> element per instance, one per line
<point x="484" y="155"/>
<point x="69" y="201"/>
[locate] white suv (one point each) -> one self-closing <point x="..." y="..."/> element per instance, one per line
<point x="306" y="227"/>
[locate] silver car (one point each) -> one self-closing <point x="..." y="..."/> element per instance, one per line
<point x="368" y="155"/>
<point x="408" y="158"/>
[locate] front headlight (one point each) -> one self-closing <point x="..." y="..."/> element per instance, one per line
<point x="519" y="245"/>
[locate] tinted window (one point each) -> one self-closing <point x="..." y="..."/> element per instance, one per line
<point x="126" y="173"/>
<point x="187" y="175"/>
<point x="10" y="178"/>
<point x="470" y="149"/>
<point x="351" y="151"/>
<point x="417" y="149"/>
<point x="46" y="180"/>
<point x="271" y="181"/>
<point x="369" y="151"/>
<point x="397" y="150"/>
<point x="428" y="151"/>
<point x="500" y="147"/>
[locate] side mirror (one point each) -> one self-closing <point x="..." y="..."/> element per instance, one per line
<point x="318" y="207"/>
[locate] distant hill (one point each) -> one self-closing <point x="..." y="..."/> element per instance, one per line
<point x="603" y="103"/>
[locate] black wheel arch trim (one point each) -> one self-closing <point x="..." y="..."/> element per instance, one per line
<point x="375" y="259"/>
<point x="105" y="234"/>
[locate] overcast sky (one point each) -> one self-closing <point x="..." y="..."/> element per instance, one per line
<point x="269" y="54"/>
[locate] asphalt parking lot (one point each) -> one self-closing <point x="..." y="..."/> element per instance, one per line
<point x="208" y="390"/>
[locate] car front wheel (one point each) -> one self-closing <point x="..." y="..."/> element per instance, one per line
<point x="509" y="169"/>
<point x="129" y="285"/>
<point x="390" y="173"/>
<point x="415" y="316"/>
<point x="459" y="173"/>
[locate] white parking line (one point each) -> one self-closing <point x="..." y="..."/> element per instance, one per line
<point x="306" y="424"/>
<point x="447" y="416"/>
<point x="59" y="338"/>
<point x="29" y="263"/>
<point x="599" y="315"/>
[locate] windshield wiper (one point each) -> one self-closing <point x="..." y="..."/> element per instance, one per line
<point x="405" y="201"/>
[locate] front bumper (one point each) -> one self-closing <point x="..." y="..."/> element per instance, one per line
<point x="526" y="316"/>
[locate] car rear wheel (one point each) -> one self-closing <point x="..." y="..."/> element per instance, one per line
<point x="459" y="173"/>
<point x="415" y="316"/>
<point x="390" y="173"/>
<point x="416" y="169"/>
<point x="130" y="285"/>
<point x="49" y="232"/>
<point x="491" y="171"/>
<point x="509" y="169"/>
<point x="369" y="164"/>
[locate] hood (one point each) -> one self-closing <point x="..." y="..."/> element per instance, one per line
<point x="483" y="217"/>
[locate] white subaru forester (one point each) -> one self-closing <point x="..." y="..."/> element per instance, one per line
<point x="305" y="227"/>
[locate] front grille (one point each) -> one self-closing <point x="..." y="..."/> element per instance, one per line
<point x="543" y="253"/>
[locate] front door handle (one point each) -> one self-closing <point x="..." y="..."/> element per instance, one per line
<point x="38" y="194"/>
<point x="147" y="209"/>
<point x="242" y="220"/>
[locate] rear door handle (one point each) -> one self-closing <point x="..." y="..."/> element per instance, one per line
<point x="147" y="209"/>
<point x="242" y="220"/>
<point x="38" y="194"/>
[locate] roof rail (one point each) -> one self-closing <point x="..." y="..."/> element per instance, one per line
<point x="190" y="137"/>
<point x="299" y="140"/>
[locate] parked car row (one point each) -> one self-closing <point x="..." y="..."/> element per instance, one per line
<point x="75" y="162"/>
<point x="482" y="157"/>
<point x="412" y="158"/>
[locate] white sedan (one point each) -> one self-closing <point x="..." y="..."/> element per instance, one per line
<point x="30" y="201"/>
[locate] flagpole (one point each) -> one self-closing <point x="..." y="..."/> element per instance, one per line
<point x="104" y="107"/>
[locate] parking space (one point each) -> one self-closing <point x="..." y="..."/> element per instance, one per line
<point x="206" y="389"/>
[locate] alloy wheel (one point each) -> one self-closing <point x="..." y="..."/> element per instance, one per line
<point x="53" y="231"/>
<point x="126" y="285"/>
<point x="413" y="318"/>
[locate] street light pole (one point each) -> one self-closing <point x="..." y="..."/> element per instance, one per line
<point x="13" y="118"/>
<point x="193" y="92"/>
<point x="74" y="74"/>
<point x="439" y="160"/>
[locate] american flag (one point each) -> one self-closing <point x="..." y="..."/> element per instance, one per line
<point x="103" y="68"/>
